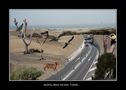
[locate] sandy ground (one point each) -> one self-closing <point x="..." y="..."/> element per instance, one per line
<point x="52" y="52"/>
<point x="55" y="48"/>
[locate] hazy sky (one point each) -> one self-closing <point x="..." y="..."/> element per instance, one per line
<point x="64" y="16"/>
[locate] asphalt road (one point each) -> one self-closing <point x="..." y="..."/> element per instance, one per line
<point x="78" y="67"/>
<point x="80" y="72"/>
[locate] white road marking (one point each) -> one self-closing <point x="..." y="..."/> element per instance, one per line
<point x="87" y="54"/>
<point x="93" y="74"/>
<point x="68" y="75"/>
<point x="78" y="58"/>
<point x="83" y="59"/>
<point x="95" y="62"/>
<point x="91" y="65"/>
<point x="89" y="51"/>
<point x="71" y="71"/>
<point x="92" y="69"/>
<point x="89" y="78"/>
<point x="77" y="65"/>
<point x="89" y="59"/>
<point x="74" y="54"/>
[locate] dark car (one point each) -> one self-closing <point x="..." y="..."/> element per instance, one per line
<point x="86" y="45"/>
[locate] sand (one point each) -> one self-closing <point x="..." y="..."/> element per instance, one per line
<point x="53" y="51"/>
<point x="55" y="48"/>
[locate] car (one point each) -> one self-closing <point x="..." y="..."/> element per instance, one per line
<point x="86" y="45"/>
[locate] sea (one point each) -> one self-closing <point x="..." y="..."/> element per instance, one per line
<point x="61" y="27"/>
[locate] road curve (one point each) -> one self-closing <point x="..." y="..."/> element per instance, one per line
<point x="78" y="67"/>
<point x="80" y="72"/>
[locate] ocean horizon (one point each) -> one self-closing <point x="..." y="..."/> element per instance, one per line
<point x="11" y="27"/>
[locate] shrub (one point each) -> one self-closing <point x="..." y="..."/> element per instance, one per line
<point x="67" y="33"/>
<point x="106" y="63"/>
<point x="26" y="74"/>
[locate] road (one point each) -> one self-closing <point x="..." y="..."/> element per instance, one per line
<point x="81" y="71"/>
<point x="78" y="68"/>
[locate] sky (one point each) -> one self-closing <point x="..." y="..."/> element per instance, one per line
<point x="64" y="16"/>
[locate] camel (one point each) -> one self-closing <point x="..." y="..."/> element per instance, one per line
<point x="51" y="66"/>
